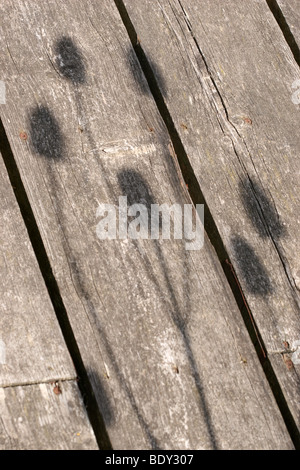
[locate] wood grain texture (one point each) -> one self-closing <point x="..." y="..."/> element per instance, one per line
<point x="33" y="349"/>
<point x="226" y="75"/>
<point x="158" y="329"/>
<point x="34" y="417"/>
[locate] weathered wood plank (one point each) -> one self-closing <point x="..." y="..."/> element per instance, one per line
<point x="38" y="417"/>
<point x="33" y="349"/>
<point x="158" y="329"/>
<point x="226" y="75"/>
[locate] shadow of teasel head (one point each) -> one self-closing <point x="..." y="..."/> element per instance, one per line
<point x="251" y="268"/>
<point x="45" y="133"/>
<point x="261" y="210"/>
<point x="134" y="186"/>
<point x="69" y="60"/>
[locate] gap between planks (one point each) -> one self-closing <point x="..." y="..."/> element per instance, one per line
<point x="285" y="28"/>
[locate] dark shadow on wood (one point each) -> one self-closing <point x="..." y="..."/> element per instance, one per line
<point x="136" y="190"/>
<point x="261" y="210"/>
<point x="45" y="134"/>
<point x="250" y="268"/>
<point x="69" y="61"/>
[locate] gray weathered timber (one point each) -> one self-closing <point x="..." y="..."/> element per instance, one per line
<point x="226" y="74"/>
<point x="34" y="417"/>
<point x="32" y="346"/>
<point x="158" y="329"/>
<point x="291" y="11"/>
<point x="32" y="349"/>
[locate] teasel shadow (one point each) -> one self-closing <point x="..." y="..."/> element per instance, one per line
<point x="261" y="210"/>
<point x="135" y="187"/>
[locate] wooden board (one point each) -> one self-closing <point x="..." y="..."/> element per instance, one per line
<point x="34" y="417"/>
<point x="158" y="329"/>
<point x="225" y="74"/>
<point x="32" y="349"/>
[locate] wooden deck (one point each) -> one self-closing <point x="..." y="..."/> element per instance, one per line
<point x="140" y="343"/>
